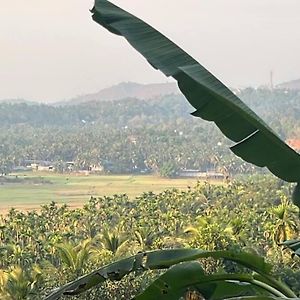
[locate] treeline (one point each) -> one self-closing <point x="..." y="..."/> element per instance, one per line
<point x="119" y="113"/>
<point x="131" y="135"/>
<point x="125" y="150"/>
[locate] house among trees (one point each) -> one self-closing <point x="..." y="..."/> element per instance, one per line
<point x="46" y="168"/>
<point x="200" y="174"/>
<point x="191" y="173"/>
<point x="42" y="166"/>
<point x="20" y="169"/>
<point x="294" y="143"/>
<point x="70" y="165"/>
<point x="96" y="168"/>
<point x="132" y="139"/>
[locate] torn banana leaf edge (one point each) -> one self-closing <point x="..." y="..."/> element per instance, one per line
<point x="255" y="141"/>
<point x="157" y="260"/>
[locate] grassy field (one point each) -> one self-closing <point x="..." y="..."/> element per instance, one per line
<point x="34" y="189"/>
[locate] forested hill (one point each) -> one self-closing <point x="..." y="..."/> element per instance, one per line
<point x="131" y="135"/>
<point x="115" y="113"/>
<point x="281" y="109"/>
<point x="127" y="90"/>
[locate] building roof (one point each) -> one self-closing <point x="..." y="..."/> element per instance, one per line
<point x="294" y="143"/>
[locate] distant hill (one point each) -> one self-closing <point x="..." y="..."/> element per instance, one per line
<point x="126" y="90"/>
<point x="17" y="101"/>
<point x="290" y="85"/>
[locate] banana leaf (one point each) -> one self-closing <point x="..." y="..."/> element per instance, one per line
<point x="156" y="260"/>
<point x="260" y="298"/>
<point x="255" y="141"/>
<point x="186" y="278"/>
<point x="294" y="245"/>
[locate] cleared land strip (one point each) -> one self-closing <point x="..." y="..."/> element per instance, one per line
<point x="29" y="191"/>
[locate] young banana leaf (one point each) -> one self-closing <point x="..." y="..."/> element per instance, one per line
<point x="255" y="141"/>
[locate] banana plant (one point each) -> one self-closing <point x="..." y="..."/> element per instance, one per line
<point x="255" y="141"/>
<point x="185" y="275"/>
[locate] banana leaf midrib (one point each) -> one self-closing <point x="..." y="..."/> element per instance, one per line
<point x="268" y="150"/>
<point x="123" y="16"/>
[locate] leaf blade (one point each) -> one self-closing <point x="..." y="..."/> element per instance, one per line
<point x="212" y="99"/>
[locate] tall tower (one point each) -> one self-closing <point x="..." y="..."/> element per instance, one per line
<point x="271" y="80"/>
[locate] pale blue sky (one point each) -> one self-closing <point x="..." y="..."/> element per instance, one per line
<point x="52" y="50"/>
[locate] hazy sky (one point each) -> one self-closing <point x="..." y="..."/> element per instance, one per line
<point x="52" y="50"/>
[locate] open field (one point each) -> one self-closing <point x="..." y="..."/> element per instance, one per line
<point x="30" y="190"/>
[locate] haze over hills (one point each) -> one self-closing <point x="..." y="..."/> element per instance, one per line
<point x="127" y="90"/>
<point x="290" y="85"/>
<point x="16" y="101"/>
<point x="135" y="90"/>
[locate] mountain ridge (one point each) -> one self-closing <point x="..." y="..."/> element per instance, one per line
<point x="125" y="90"/>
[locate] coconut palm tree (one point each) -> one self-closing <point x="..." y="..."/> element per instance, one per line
<point x="74" y="257"/>
<point x="283" y="227"/>
<point x="18" y="284"/>
<point x="114" y="240"/>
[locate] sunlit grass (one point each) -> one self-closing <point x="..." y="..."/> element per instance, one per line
<point x="76" y="190"/>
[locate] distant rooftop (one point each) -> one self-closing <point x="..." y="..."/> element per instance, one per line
<point x="294" y="143"/>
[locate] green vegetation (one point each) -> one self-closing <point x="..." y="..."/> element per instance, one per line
<point x="143" y="136"/>
<point x="211" y="238"/>
<point x="255" y="143"/>
<point x="50" y="248"/>
<point x="35" y="189"/>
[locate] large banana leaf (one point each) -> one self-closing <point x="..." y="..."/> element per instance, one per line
<point x="164" y="259"/>
<point x="189" y="276"/>
<point x="255" y="141"/>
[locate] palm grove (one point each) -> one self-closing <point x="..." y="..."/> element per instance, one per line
<point x="232" y="224"/>
<point x="132" y="136"/>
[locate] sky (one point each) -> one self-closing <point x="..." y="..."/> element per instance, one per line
<point x="51" y="50"/>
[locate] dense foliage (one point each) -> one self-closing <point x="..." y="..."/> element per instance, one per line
<point x="39" y="251"/>
<point x="133" y="135"/>
<point x="46" y="249"/>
